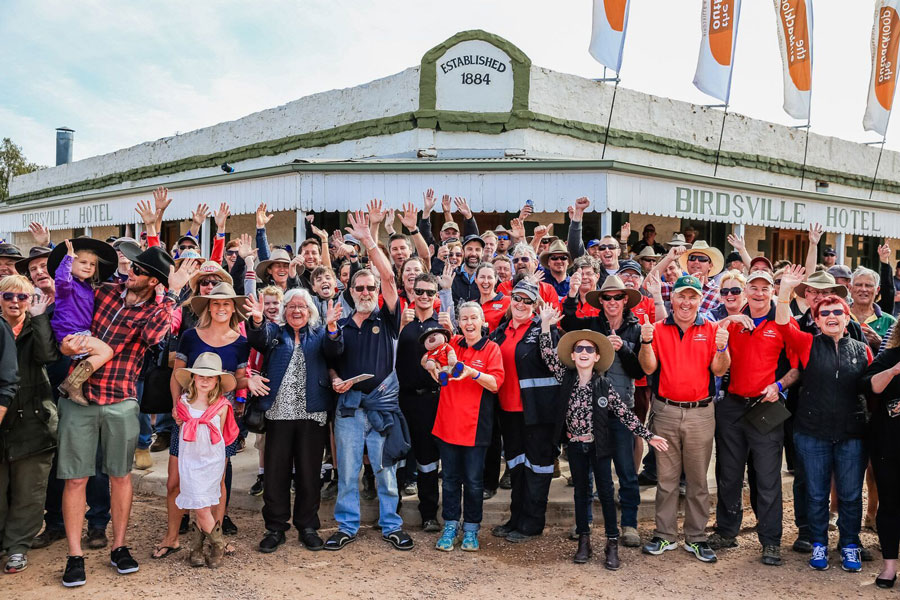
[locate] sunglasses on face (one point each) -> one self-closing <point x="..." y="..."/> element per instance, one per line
<point x="21" y="297"/>
<point x="421" y="292"/>
<point x="645" y="259"/>
<point x="606" y="246"/>
<point x="698" y="258"/>
<point x="231" y="252"/>
<point x="588" y="349"/>
<point x="206" y="281"/>
<point x="613" y="298"/>
<point x="557" y="257"/>
<point x="524" y="300"/>
<point x="777" y="282"/>
<point x="187" y="247"/>
<point x="138" y="270"/>
<point x="735" y="291"/>
<point x="520" y="259"/>
<point x="457" y="254"/>
<point x="365" y="288"/>
<point x="503" y="237"/>
<point x="837" y="312"/>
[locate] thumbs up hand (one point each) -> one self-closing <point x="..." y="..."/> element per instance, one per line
<point x="646" y="330"/>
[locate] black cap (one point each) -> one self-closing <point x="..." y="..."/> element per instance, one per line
<point x="829" y="251"/>
<point x="733" y="257"/>
<point x="473" y="238"/>
<point x="630" y="265"/>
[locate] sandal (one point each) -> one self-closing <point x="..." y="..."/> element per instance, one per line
<point x="167" y="550"/>
<point x="400" y="540"/>
<point x="339" y="540"/>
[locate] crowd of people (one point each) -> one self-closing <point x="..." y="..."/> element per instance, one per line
<point x="367" y="369"/>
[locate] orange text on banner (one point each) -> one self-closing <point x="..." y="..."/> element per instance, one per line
<point x="615" y="13"/>
<point x="720" y="27"/>
<point x="796" y="35"/>
<point x="888" y="44"/>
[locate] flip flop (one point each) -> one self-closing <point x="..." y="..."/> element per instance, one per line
<point x="168" y="550"/>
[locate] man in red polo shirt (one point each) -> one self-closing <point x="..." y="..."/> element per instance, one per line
<point x="685" y="351"/>
<point x="761" y="371"/>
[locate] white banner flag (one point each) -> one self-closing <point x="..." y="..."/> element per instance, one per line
<point x="719" y="28"/>
<point x="608" y="32"/>
<point x="795" y="30"/>
<point x="883" y="82"/>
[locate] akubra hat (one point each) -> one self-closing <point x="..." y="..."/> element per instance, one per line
<point x="613" y="284"/>
<point x="701" y="247"/>
<point x="209" y="268"/>
<point x="648" y="252"/>
<point x="279" y="255"/>
<point x="107" y="261"/>
<point x="556" y="247"/>
<point x="208" y="364"/>
<point x="35" y="252"/>
<point x="677" y="240"/>
<point x="222" y="291"/>
<point x="820" y="280"/>
<point x="154" y="260"/>
<point x="604" y="348"/>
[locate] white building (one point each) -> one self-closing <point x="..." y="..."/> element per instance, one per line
<point x="476" y="119"/>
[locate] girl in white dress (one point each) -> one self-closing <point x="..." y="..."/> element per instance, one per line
<point x="207" y="426"/>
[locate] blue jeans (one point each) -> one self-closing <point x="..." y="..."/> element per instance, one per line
<point x="351" y="436"/>
<point x="846" y="461"/>
<point x="582" y="460"/>
<point x="622" y="442"/>
<point x="463" y="468"/>
<point x="165" y="422"/>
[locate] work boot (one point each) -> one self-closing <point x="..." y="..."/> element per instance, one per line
<point x="584" y="551"/>
<point x="142" y="459"/>
<point x="611" y="551"/>
<point x="216" y="547"/>
<point x="196" y="546"/>
<point x="72" y="386"/>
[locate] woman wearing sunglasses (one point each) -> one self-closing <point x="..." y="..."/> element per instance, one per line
<point x="528" y="413"/>
<point x="731" y="295"/>
<point x="830" y="420"/>
<point x="589" y="406"/>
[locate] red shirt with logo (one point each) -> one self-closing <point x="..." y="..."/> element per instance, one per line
<point x="510" y="394"/>
<point x="684" y="360"/>
<point x="495" y="310"/>
<point x="755" y="355"/>
<point x="547" y="292"/>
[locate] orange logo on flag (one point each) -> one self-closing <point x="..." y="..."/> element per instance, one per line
<point x="886" y="56"/>
<point x="615" y="13"/>
<point x="721" y="24"/>
<point x="796" y="37"/>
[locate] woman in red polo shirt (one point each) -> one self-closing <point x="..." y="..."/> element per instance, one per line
<point x="493" y="303"/>
<point x="463" y="427"/>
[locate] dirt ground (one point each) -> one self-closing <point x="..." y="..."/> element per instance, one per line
<point x="370" y="568"/>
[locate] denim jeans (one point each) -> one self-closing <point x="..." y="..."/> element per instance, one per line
<point x="582" y="460"/>
<point x="165" y="422"/>
<point x="463" y="468"/>
<point x="351" y="436"/>
<point x="96" y="494"/>
<point x="623" y="458"/>
<point x="846" y="461"/>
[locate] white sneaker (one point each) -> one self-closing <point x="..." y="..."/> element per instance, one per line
<point x="16" y="563"/>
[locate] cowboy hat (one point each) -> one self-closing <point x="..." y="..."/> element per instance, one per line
<point x="647" y="252"/>
<point x="222" y="291"/>
<point x="208" y="364"/>
<point x="820" y="280"/>
<point x="701" y="247"/>
<point x="604" y="348"/>
<point x="107" y="259"/>
<point x="279" y="255"/>
<point x="677" y="240"/>
<point x="209" y="268"/>
<point x="153" y="260"/>
<point x="33" y="253"/>
<point x="613" y="284"/>
<point x="556" y="247"/>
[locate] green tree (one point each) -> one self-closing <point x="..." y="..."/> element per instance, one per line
<point x="12" y="163"/>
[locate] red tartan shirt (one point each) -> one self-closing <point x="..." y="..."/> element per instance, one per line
<point x="129" y="331"/>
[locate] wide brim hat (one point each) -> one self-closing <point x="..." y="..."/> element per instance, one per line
<point x="613" y="283"/>
<point x="556" y="247"/>
<point x="431" y="330"/>
<point x="186" y="255"/>
<point x="208" y="364"/>
<point x="35" y="252"/>
<point x="677" y="240"/>
<point x="107" y="261"/>
<point x="821" y="280"/>
<point x="647" y="252"/>
<point x="153" y="259"/>
<point x="604" y="348"/>
<point x="714" y="254"/>
<point x="222" y="291"/>
<point x="187" y="236"/>
<point x="209" y="267"/>
<point x="8" y="250"/>
<point x="278" y="255"/>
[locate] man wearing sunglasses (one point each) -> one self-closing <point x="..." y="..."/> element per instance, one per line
<point x="556" y="264"/>
<point x="701" y="261"/>
<point x="525" y="264"/>
<point x="504" y="239"/>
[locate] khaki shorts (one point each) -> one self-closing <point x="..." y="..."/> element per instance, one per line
<point x="114" y="426"/>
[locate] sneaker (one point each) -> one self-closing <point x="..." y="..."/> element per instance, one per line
<point x="142" y="459"/>
<point x="122" y="560"/>
<point x="819" y="559"/>
<point x="448" y="537"/>
<point x="16" y="563"/>
<point x="410" y="489"/>
<point x="96" y="539"/>
<point x="228" y="526"/>
<point x="162" y="441"/>
<point x="657" y="546"/>
<point x="431" y="526"/>
<point x="851" y="560"/>
<point x="771" y="556"/>
<point x="271" y="540"/>
<point x="329" y="492"/>
<point x="718" y="542"/>
<point x="469" y="541"/>
<point x="257" y="488"/>
<point x="47" y="537"/>
<point x="74" y="573"/>
<point x="702" y="551"/>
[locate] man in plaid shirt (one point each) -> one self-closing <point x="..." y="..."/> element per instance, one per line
<point x="699" y="264"/>
<point x="127" y="317"/>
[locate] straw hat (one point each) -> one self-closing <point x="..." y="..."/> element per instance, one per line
<point x="648" y="252"/>
<point x="604" y="348"/>
<point x="209" y="268"/>
<point x="821" y="280"/>
<point x="278" y="255"/>
<point x="557" y="247"/>
<point x="208" y="364"/>
<point x="222" y="291"/>
<point x="677" y="240"/>
<point x="701" y="247"/>
<point x="613" y="284"/>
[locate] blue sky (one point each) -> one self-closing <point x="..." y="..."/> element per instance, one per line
<point x="121" y="73"/>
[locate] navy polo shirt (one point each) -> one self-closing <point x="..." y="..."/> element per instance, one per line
<point x="410" y="373"/>
<point x="369" y="348"/>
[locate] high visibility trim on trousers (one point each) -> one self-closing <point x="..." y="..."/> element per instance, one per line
<point x="521" y="459"/>
<point x="429" y="468"/>
<point x="515" y="461"/>
<point x="536" y="382"/>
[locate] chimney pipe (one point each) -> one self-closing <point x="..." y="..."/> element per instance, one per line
<point x="65" y="139"/>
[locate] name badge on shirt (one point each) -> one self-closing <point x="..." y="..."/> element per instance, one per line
<point x="602" y="402"/>
<point x="376" y="329"/>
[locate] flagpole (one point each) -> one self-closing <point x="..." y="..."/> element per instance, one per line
<point x="878" y="163"/>
<point x="721" y="135"/>
<point x="609" y="119"/>
<point x="805" y="151"/>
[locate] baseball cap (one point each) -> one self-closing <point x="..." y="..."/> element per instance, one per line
<point x="829" y="251"/>
<point x="686" y="282"/>
<point x="527" y="288"/>
<point x="473" y="238"/>
<point x="450" y="225"/>
<point x="761" y="259"/>
<point x="593" y="242"/>
<point x="629" y="265"/>
<point x="840" y="271"/>
<point x="760" y="275"/>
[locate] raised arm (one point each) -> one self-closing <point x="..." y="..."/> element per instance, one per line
<point x="738" y="244"/>
<point x="359" y="227"/>
<point x="408" y="220"/>
<point x="262" y="242"/>
<point x="549" y="318"/>
<point x="886" y="302"/>
<point x="198" y="217"/>
<point x="575" y="240"/>
<point x="470" y="227"/>
<point x="792" y="277"/>
<point x="812" y="254"/>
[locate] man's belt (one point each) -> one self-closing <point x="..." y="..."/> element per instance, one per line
<point x="697" y="404"/>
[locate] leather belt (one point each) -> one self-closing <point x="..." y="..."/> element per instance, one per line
<point x="697" y="404"/>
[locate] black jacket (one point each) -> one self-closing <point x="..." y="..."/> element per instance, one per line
<point x="599" y="410"/>
<point x="885" y="429"/>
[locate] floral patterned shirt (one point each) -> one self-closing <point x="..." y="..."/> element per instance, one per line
<point x="579" y="414"/>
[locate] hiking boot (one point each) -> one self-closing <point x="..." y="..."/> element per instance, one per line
<point x="122" y="560"/>
<point x="74" y="574"/>
<point x="612" y="562"/>
<point x="96" y="539"/>
<point x="195" y="544"/>
<point x="517" y="536"/>
<point x="701" y="551"/>
<point x="216" y="547"/>
<point x="142" y="459"/>
<point x="501" y="531"/>
<point x="162" y="441"/>
<point x="819" y="559"/>
<point x="270" y="542"/>
<point x="73" y="386"/>
<point x="506" y="480"/>
<point x="850" y="558"/>
<point x="448" y="537"/>
<point x="584" y="552"/>
<point x="47" y="537"/>
<point x="257" y="488"/>
<point x="771" y="556"/>
<point x="657" y="546"/>
<point x="630" y="537"/>
<point x="718" y="542"/>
